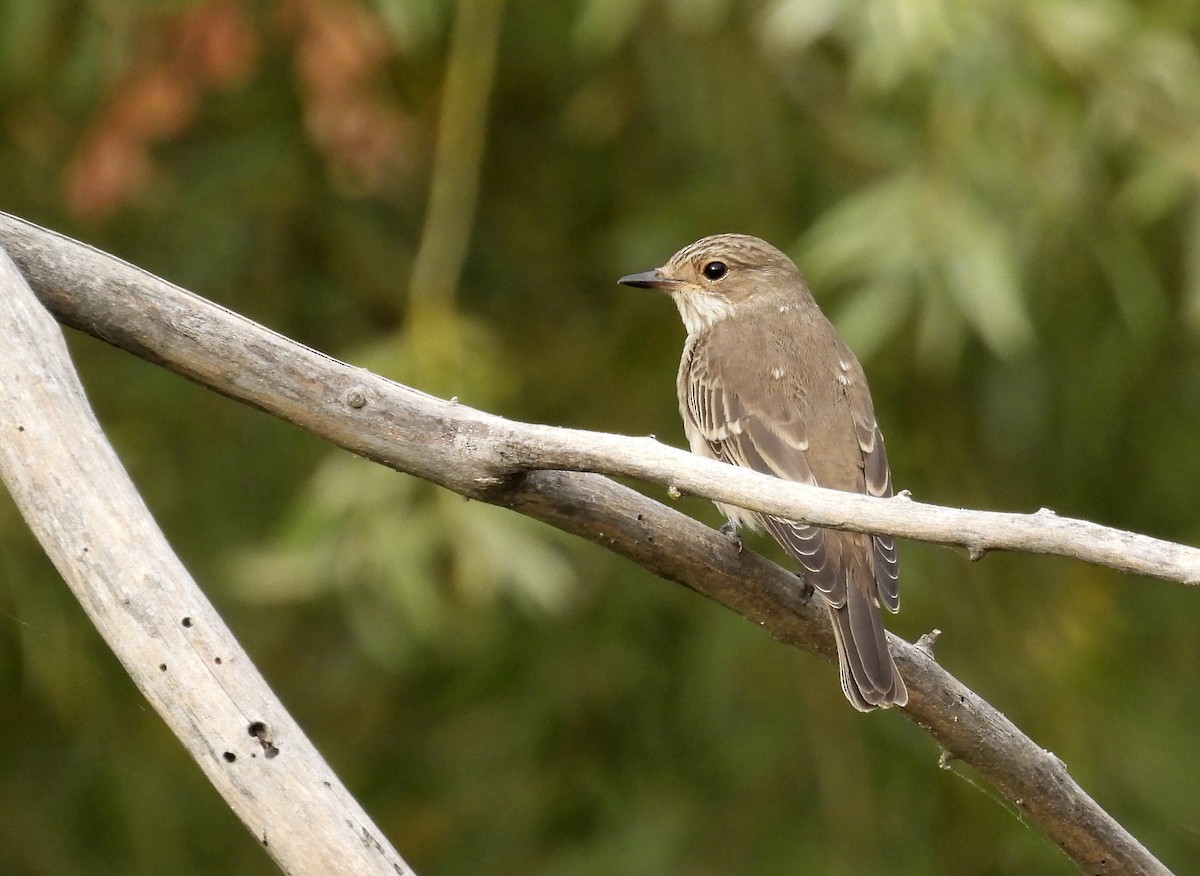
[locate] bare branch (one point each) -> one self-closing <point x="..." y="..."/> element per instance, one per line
<point x="77" y="498"/>
<point x="1043" y="532"/>
<point x="485" y="457"/>
<point x="507" y="448"/>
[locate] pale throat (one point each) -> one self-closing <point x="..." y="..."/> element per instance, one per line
<point x="701" y="311"/>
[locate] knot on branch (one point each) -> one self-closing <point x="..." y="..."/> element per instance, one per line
<point x="496" y="485"/>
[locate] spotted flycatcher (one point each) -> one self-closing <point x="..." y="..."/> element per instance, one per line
<point x="767" y="383"/>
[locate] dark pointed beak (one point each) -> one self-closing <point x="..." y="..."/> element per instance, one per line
<point x="649" y="280"/>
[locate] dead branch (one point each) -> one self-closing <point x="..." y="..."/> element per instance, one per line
<point x="74" y="493"/>
<point x="522" y="466"/>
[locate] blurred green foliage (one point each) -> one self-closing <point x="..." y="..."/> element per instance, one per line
<point x="996" y="201"/>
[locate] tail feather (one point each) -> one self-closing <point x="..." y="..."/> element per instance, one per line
<point x="870" y="679"/>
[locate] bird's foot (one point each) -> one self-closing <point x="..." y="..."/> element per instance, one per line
<point x="806" y="589"/>
<point x="729" y="530"/>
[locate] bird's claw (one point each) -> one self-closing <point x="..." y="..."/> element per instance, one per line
<point x="806" y="589"/>
<point x="730" y="531"/>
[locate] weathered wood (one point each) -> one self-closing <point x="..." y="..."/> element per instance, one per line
<point x="488" y="458"/>
<point x="74" y="493"/>
<point x="465" y="449"/>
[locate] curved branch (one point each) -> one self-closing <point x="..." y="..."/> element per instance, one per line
<point x="1043" y="532"/>
<point x="507" y="448"/>
<point x="76" y="497"/>
<point x="520" y="466"/>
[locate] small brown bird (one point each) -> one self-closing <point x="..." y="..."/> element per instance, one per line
<point x="767" y="383"/>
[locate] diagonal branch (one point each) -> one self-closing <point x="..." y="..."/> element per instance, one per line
<point x="1043" y="532"/>
<point x="534" y="469"/>
<point x="506" y="448"/>
<point x="76" y="497"/>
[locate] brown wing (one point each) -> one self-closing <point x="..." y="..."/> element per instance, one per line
<point x="879" y="483"/>
<point x="746" y="419"/>
<point x="734" y="429"/>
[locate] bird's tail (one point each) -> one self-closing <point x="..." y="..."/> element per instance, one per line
<point x="870" y="679"/>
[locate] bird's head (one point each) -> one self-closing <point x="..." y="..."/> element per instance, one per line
<point x="714" y="276"/>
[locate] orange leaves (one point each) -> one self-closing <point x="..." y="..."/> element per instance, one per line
<point x="206" y="47"/>
<point x="341" y="56"/>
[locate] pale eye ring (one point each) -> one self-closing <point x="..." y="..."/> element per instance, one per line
<point x="714" y="270"/>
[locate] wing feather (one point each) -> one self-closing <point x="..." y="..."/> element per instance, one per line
<point x="747" y="429"/>
<point x="742" y="434"/>
<point x="879" y="483"/>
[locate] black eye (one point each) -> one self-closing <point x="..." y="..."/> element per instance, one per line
<point x="715" y="270"/>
